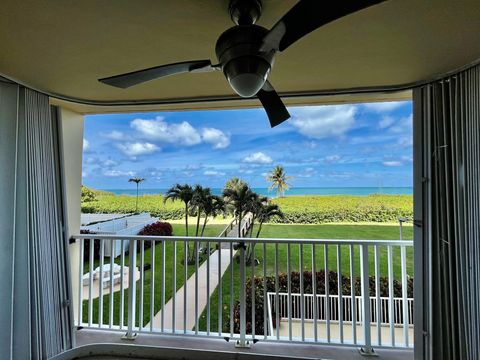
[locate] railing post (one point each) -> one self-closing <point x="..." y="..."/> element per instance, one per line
<point x="242" y="342"/>
<point x="132" y="269"/>
<point x="367" y="349"/>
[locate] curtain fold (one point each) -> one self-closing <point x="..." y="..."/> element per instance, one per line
<point x="48" y="272"/>
<point x="450" y="154"/>
<point x="34" y="298"/>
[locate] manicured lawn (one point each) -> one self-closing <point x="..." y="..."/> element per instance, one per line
<point x="360" y="232"/>
<point x="179" y="230"/>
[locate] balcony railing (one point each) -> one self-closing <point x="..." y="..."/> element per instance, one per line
<point x="203" y="287"/>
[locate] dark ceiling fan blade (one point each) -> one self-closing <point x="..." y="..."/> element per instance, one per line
<point x="276" y="110"/>
<point x="137" y="77"/>
<point x="308" y="15"/>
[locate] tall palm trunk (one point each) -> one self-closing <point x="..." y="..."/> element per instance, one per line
<point x="198" y="222"/>
<point x="186" y="219"/>
<point x="195" y="244"/>
<point x="204" y="225"/>
<point x="250" y="245"/>
<point x="240" y="224"/>
<point x="186" y="232"/>
<point x="259" y="229"/>
<point x="136" y="202"/>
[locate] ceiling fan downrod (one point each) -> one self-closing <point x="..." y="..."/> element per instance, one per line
<point x="245" y="12"/>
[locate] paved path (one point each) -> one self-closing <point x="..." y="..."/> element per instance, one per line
<point x="202" y="287"/>
<point x="202" y="294"/>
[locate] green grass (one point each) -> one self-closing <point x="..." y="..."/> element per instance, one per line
<point x="179" y="230"/>
<point x="361" y="232"/>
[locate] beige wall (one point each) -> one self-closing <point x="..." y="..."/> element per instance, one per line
<point x="72" y="148"/>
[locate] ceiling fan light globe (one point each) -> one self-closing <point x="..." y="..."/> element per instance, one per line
<point x="247" y="74"/>
<point x="247" y="85"/>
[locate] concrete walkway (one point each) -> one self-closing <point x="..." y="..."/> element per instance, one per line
<point x="203" y="295"/>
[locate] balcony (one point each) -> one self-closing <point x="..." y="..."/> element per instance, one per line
<point x="210" y="303"/>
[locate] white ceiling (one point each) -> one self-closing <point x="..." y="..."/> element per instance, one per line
<point x="63" y="47"/>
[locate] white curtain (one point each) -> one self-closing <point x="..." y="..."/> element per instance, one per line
<point x="35" y="315"/>
<point x="447" y="173"/>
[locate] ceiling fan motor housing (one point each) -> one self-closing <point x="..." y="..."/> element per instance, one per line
<point x="244" y="65"/>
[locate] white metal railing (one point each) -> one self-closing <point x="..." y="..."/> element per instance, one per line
<point x="147" y="293"/>
<point x="293" y="303"/>
<point x="348" y="314"/>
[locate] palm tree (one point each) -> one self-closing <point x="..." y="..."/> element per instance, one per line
<point x="214" y="206"/>
<point x="254" y="206"/>
<point x="136" y="180"/>
<point x="234" y="183"/>
<point x="240" y="198"/>
<point x="183" y="193"/>
<point x="267" y="212"/>
<point x="279" y="180"/>
<point x="200" y="199"/>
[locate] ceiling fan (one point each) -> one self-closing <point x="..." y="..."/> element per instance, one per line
<point x="246" y="51"/>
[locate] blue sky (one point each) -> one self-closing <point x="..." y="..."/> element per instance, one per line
<point x="320" y="146"/>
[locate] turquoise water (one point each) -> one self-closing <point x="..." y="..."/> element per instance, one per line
<point x="293" y="191"/>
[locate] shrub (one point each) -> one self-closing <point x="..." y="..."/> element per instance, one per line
<point x="344" y="208"/>
<point x="158" y="228"/>
<point x="124" y="204"/>
<point x="87" y="194"/>
<point x="297" y="209"/>
<point x="308" y="289"/>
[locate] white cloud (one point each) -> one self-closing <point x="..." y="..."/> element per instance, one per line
<point x="115" y="135"/>
<point x="402" y="126"/>
<point x="133" y="150"/>
<point x="338" y="175"/>
<point x="384" y="106"/>
<point x="118" y="173"/>
<point x="405" y="141"/>
<point x="84" y="174"/>
<point x="324" y="121"/>
<point x="217" y="138"/>
<point x="213" y="173"/>
<point x="258" y="158"/>
<point x="401" y="161"/>
<point x="307" y="173"/>
<point x="331" y="159"/>
<point x="159" y="130"/>
<point x="109" y="163"/>
<point x="245" y="171"/>
<point x="386" y="122"/>
<point x="392" y="163"/>
<point x="86" y="145"/>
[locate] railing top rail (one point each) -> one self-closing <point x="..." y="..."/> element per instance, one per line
<point x="247" y="240"/>
<point x="226" y="229"/>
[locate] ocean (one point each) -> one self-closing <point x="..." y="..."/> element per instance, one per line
<point x="296" y="191"/>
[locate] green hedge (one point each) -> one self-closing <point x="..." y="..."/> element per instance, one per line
<point x="124" y="204"/>
<point x="344" y="208"/>
<point x="297" y="209"/>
